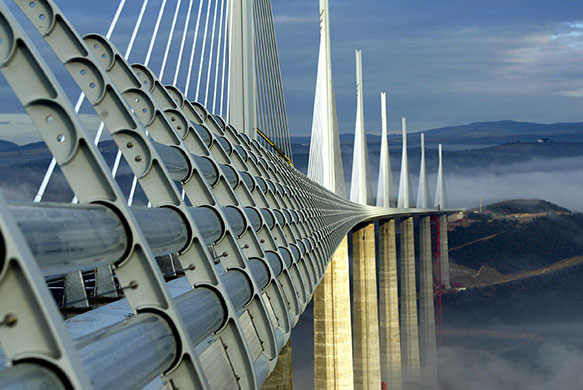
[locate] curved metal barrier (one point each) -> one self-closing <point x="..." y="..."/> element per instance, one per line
<point x="253" y="234"/>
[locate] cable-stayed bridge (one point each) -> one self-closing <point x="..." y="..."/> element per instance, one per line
<point x="218" y="244"/>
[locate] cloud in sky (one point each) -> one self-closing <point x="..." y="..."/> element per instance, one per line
<point x="442" y="63"/>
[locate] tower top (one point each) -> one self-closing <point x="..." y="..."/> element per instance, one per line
<point x="423" y="195"/>
<point x="360" y="188"/>
<point x="440" y="193"/>
<point x="325" y="159"/>
<point x="386" y="188"/>
<point x="405" y="196"/>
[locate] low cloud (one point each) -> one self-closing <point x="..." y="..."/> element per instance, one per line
<point x="551" y="365"/>
<point x="558" y="181"/>
<point x="571" y="93"/>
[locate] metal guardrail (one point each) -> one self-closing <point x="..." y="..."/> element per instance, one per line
<point x="253" y="239"/>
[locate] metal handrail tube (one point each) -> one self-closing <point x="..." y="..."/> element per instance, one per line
<point x="178" y="167"/>
<point x="269" y="218"/>
<point x="274" y="262"/>
<point x="286" y="256"/>
<point x="302" y="247"/>
<point x="280" y="218"/>
<point x="262" y="184"/>
<point x="242" y="152"/>
<point x="259" y="271"/>
<point x="208" y="169"/>
<point x="203" y="132"/>
<point x="202" y="311"/>
<point x="164" y="229"/>
<point x="143" y="347"/>
<point x="130" y="354"/>
<point x="225" y="144"/>
<point x="254" y="217"/>
<point x="29" y="376"/>
<point x="238" y="287"/>
<point x="295" y="252"/>
<point x="230" y="175"/>
<point x="248" y="179"/>
<point x="67" y="238"/>
<point x="208" y="222"/>
<point x="236" y="219"/>
<point x="174" y="160"/>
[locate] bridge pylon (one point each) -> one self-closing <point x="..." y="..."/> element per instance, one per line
<point x="242" y="109"/>
<point x="427" y="342"/>
<point x="441" y="203"/>
<point x="408" y="299"/>
<point x="365" y="321"/>
<point x="390" y="340"/>
<point x="333" y="367"/>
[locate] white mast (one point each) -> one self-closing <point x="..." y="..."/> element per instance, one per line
<point x="242" y="81"/>
<point x="405" y="196"/>
<point x="360" y="189"/>
<point x="325" y="160"/>
<point x="440" y="193"/>
<point x="386" y="188"/>
<point x="423" y="196"/>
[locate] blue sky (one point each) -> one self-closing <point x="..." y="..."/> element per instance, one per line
<point x="442" y="63"/>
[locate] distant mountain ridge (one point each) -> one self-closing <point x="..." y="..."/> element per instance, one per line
<point x="456" y="161"/>
<point x="482" y="133"/>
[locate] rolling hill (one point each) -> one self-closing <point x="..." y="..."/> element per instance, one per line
<point x="519" y="261"/>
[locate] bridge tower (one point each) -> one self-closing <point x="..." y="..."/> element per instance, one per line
<point x="242" y="108"/>
<point x="408" y="307"/>
<point x="390" y="340"/>
<point x="441" y="203"/>
<point x="332" y="320"/>
<point x="365" y="322"/>
<point x="427" y="347"/>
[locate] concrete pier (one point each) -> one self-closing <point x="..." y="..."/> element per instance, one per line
<point x="409" y="326"/>
<point x="427" y="342"/>
<point x="390" y="339"/>
<point x="444" y="250"/>
<point x="333" y="368"/>
<point x="367" y="373"/>
<point x="281" y="377"/>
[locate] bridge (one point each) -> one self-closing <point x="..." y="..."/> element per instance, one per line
<point x="231" y="242"/>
